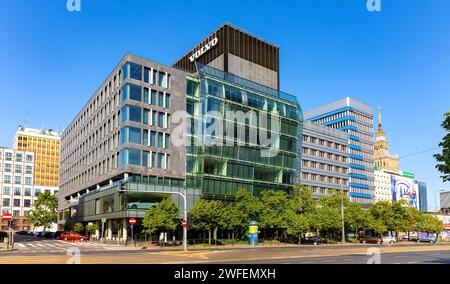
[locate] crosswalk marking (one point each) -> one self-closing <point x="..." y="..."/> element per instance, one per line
<point x="60" y="246"/>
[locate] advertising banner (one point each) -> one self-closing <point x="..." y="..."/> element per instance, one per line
<point x="404" y="188"/>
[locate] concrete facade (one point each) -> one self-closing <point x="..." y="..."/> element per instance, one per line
<point x="324" y="159"/>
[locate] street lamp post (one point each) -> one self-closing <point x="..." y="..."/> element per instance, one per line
<point x="343" y="223"/>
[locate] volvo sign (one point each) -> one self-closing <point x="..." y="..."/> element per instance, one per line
<point x="204" y="49"/>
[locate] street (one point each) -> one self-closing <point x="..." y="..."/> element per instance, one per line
<point x="41" y="251"/>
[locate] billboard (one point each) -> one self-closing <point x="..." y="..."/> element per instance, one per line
<point x="404" y="188"/>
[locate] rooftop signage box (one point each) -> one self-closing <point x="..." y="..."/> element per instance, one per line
<point x="204" y="49"/>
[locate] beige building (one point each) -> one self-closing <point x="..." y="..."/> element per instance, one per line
<point x="383" y="186"/>
<point x="383" y="160"/>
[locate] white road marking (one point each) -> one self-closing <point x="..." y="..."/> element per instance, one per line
<point x="412" y="262"/>
<point x="21" y="246"/>
<point x="349" y="259"/>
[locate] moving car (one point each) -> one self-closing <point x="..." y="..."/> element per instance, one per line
<point x="57" y="235"/>
<point x="426" y="239"/>
<point x="312" y="241"/>
<point x="371" y="240"/>
<point x="389" y="240"/>
<point x="71" y="236"/>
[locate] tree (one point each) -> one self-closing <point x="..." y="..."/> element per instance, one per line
<point x="249" y="206"/>
<point x="92" y="228"/>
<point x="431" y="224"/>
<point x="78" y="227"/>
<point x="45" y="211"/>
<point x="206" y="215"/>
<point x="232" y="219"/>
<point x="444" y="158"/>
<point x="357" y="219"/>
<point x="297" y="224"/>
<point x="274" y="204"/>
<point x="164" y="217"/>
<point x="393" y="216"/>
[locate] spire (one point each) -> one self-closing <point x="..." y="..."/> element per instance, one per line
<point x="380" y="122"/>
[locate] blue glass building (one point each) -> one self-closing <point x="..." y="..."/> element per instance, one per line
<point x="355" y="119"/>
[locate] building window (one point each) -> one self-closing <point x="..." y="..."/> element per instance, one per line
<point x="161" y="120"/>
<point x="27" y="180"/>
<point x="146" y="116"/>
<point x="8" y="156"/>
<point x="160" y="140"/>
<point x="131" y="113"/>
<point x="26" y="213"/>
<point x="130" y="157"/>
<point x="16" y="203"/>
<point x="153" y="97"/>
<point x="161" y="78"/>
<point x="29" y="170"/>
<point x="27" y="192"/>
<point x="161" y="99"/>
<point x="6" y="202"/>
<point x="160" y="160"/>
<point x="167" y="105"/>
<point x="145" y="158"/>
<point x="17" y="191"/>
<point x="146" y="95"/>
<point x="167" y="164"/>
<point x="145" y="137"/>
<point x="152" y="139"/>
<point x="147" y="72"/>
<point x="132" y="70"/>
<point x="27" y="203"/>
<point x="167" y="141"/>
<point x="37" y="192"/>
<point x="130" y="135"/>
<point x="17" y="180"/>
<point x="132" y="92"/>
<point x="8" y="168"/>
<point x="19" y="157"/>
<point x="29" y="158"/>
<point x="6" y="190"/>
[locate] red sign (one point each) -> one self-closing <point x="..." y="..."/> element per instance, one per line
<point x="447" y="226"/>
<point x="7" y="217"/>
<point x="132" y="221"/>
<point x="184" y="224"/>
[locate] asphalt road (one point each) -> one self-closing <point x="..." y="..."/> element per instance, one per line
<point x="35" y="251"/>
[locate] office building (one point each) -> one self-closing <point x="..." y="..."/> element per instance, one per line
<point x="122" y="153"/>
<point x="423" y="201"/>
<point x="16" y="186"/>
<point x="355" y="119"/>
<point x="45" y="146"/>
<point x="444" y="201"/>
<point x="324" y="159"/>
<point x="383" y="188"/>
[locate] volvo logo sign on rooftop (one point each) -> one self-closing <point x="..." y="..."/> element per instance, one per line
<point x="204" y="49"/>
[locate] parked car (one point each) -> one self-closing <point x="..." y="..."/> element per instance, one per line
<point x="3" y="235"/>
<point x="371" y="240"/>
<point x="47" y="235"/>
<point x="22" y="233"/>
<point x="426" y="239"/>
<point x="71" y="236"/>
<point x="57" y="235"/>
<point x="389" y="240"/>
<point x="312" y="241"/>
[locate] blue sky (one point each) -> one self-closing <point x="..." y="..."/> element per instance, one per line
<point x="54" y="60"/>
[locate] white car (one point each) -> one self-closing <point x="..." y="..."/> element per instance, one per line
<point x="389" y="240"/>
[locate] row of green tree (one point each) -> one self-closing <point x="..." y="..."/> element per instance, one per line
<point x="289" y="218"/>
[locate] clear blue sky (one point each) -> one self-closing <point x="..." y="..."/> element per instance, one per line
<point x="399" y="58"/>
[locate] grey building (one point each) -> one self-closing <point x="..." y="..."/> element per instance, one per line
<point x="123" y="134"/>
<point x="423" y="199"/>
<point x="324" y="159"/>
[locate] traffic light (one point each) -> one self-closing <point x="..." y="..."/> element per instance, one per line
<point x="12" y="224"/>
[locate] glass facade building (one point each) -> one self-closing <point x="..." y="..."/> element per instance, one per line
<point x="355" y="119"/>
<point x="236" y="161"/>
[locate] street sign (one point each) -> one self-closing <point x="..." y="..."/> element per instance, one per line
<point x="132" y="221"/>
<point x="7" y="217"/>
<point x="184" y="224"/>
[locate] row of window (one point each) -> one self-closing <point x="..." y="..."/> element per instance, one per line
<point x="134" y="157"/>
<point x="15" y="213"/>
<point x="145" y="137"/>
<point x="323" y="178"/>
<point x="16" y="203"/>
<point x="18" y="169"/>
<point x="26" y="191"/>
<point x="323" y="143"/>
<point x="145" y="116"/>
<point x="145" y="95"/>
<point x="322" y="166"/>
<point x="148" y="75"/>
<point x="324" y="155"/>
<point x="17" y="180"/>
<point x="18" y="157"/>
